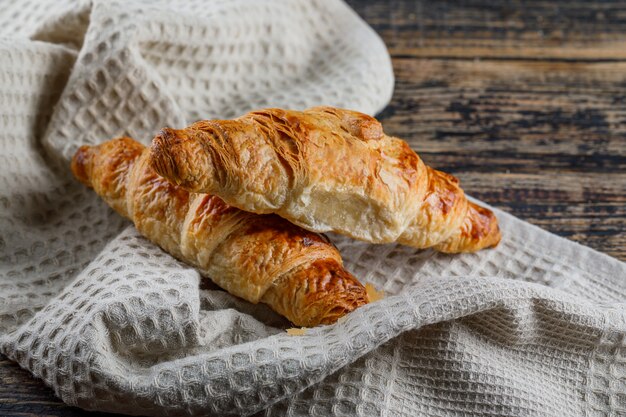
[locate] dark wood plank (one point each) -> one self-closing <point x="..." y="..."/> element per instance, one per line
<point x="23" y="395"/>
<point x="533" y="29"/>
<point x="486" y="115"/>
<point x="589" y="209"/>
<point x="545" y="141"/>
<point x="525" y="101"/>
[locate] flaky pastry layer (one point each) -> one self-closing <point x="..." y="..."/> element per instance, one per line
<point x="260" y="258"/>
<point x="326" y="169"/>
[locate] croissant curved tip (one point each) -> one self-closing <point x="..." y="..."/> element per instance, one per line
<point x="337" y="293"/>
<point x="495" y="233"/>
<point x="480" y="230"/>
<point x="486" y="227"/>
<point x="161" y="154"/>
<point x="80" y="164"/>
<point x="181" y="158"/>
<point x="349" y="303"/>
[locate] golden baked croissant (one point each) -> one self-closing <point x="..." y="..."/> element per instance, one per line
<point x="256" y="257"/>
<point x="326" y="169"/>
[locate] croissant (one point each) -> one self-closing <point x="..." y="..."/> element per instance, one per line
<point x="260" y="258"/>
<point x="326" y="169"/>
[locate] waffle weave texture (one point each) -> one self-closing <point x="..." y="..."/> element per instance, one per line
<point x="536" y="327"/>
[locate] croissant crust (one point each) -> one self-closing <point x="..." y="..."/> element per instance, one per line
<point x="326" y="169"/>
<point x="260" y="258"/>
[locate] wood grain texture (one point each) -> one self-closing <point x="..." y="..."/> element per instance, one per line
<point x="23" y="395"/>
<point x="532" y="29"/>
<point x="525" y="101"/>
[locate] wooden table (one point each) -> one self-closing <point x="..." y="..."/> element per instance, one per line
<point x="525" y="101"/>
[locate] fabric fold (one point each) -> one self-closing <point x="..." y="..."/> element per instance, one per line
<point x="110" y="322"/>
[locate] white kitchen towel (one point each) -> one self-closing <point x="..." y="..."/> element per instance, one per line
<point x="535" y="327"/>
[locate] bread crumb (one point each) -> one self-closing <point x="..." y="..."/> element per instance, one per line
<point x="373" y="294"/>
<point x="294" y="331"/>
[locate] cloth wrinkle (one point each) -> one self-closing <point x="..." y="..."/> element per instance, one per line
<point x="534" y="327"/>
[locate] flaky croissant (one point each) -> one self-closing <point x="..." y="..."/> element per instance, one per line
<point x="326" y="169"/>
<point x="262" y="258"/>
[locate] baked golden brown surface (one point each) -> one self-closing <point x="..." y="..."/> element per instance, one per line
<point x="326" y="169"/>
<point x="260" y="258"/>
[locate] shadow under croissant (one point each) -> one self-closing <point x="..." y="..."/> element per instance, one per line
<point x="260" y="312"/>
